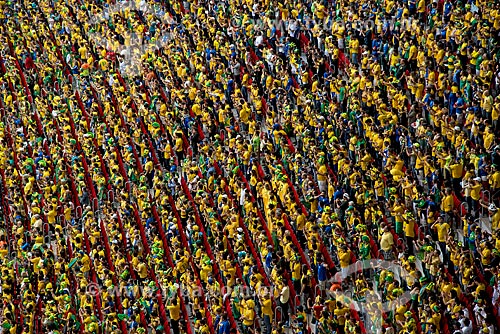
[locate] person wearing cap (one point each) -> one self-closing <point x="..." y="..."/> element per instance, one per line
<point x="365" y="247"/>
<point x="494" y="215"/>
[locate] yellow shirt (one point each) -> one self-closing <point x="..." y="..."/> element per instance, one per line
<point x="344" y="258"/>
<point x="495" y="220"/>
<point x="296" y="271"/>
<point x="249" y="315"/>
<point x="442" y="231"/>
<point x="486" y="256"/>
<point x="397" y="212"/>
<point x="409" y="228"/>
<point x="456" y="170"/>
<point x="495" y="180"/>
<point x="421" y="6"/>
<point x="354" y="45"/>
<point x="142" y="270"/>
<point x="267" y="305"/>
<point x="495" y="111"/>
<point x="448" y="203"/>
<point x="178" y="145"/>
<point x="175" y="311"/>
<point x="322" y="173"/>
<point x="387" y="241"/>
<point x="475" y="192"/>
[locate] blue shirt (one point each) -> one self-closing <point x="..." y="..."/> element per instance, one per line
<point x="224" y="327"/>
<point x="269" y="258"/>
<point x="323" y="201"/>
<point x="187" y="121"/>
<point x="322" y="273"/>
<point x="338" y="194"/>
<point x="447" y="8"/>
<point x="460" y="103"/>
<point x="456" y="76"/>
<point x="375" y="46"/>
<point x="217" y="320"/>
<point x="431" y="205"/>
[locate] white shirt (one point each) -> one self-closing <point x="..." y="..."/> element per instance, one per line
<point x="259" y="40"/>
<point x="465" y="329"/>
<point x="285" y="294"/>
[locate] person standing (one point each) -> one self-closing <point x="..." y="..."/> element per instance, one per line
<point x="267" y="311"/>
<point x="443" y="231"/>
<point x="386" y="243"/>
<point x="322" y="275"/>
<point x="284" y="300"/>
<point x="224" y="325"/>
<point x="174" y="310"/>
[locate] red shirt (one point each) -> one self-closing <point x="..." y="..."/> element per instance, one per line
<point x="318" y="309"/>
<point x="28" y="63"/>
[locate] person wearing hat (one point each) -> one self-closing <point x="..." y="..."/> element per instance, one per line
<point x="493" y="213"/>
<point x="365" y="247"/>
